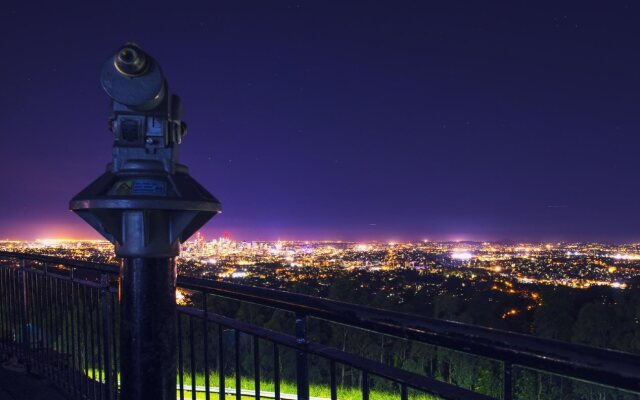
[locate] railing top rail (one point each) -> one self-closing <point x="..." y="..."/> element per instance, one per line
<point x="80" y="264"/>
<point x="604" y="366"/>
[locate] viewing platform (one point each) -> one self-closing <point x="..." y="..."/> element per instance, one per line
<point x="17" y="384"/>
<point x="60" y="318"/>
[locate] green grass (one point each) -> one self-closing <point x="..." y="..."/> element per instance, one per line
<point x="315" y="390"/>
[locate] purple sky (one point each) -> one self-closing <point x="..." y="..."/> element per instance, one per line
<point x="346" y="120"/>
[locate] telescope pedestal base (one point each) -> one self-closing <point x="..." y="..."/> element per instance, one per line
<point x="148" y="328"/>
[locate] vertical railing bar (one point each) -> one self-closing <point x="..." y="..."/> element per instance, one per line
<point x="114" y="344"/>
<point x="7" y="303"/>
<point x="61" y="328"/>
<point x="92" y="334"/>
<point x="192" y="354"/>
<point x="51" y="325"/>
<point x="180" y="360"/>
<point x="75" y="293"/>
<point x="29" y="302"/>
<point x="6" y="314"/>
<point x="62" y="334"/>
<point x="108" y="373"/>
<point x="41" y="334"/>
<point x="404" y="395"/>
<point x="27" y="315"/>
<point x="222" y="391"/>
<point x="3" y="309"/>
<point x="72" y="314"/>
<point x="65" y="307"/>
<point x="74" y="333"/>
<point x="12" y="311"/>
<point x="256" y="366"/>
<point x="276" y="370"/>
<point x="9" y="299"/>
<point x="37" y="315"/>
<point x="28" y="285"/>
<point x="236" y="338"/>
<point x="57" y="335"/>
<point x="83" y="373"/>
<point x="206" y="345"/>
<point x="20" y="331"/>
<point x="67" y="341"/>
<point x="57" y="327"/>
<point x="508" y="381"/>
<point x="53" y="333"/>
<point x="365" y="385"/>
<point x="72" y="327"/>
<point x="34" y="300"/>
<point x="11" y="318"/>
<point x="333" y="380"/>
<point x="23" y="313"/>
<point x="302" y="362"/>
<point x="99" y="331"/>
<point x="69" y="294"/>
<point x="85" y="340"/>
<point x="42" y="306"/>
<point x="40" y="309"/>
<point x="7" y="308"/>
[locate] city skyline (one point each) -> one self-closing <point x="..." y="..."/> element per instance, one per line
<point x="576" y="265"/>
<point x="65" y="234"/>
<point x="482" y="122"/>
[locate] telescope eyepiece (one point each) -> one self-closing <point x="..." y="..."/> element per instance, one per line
<point x="130" y="60"/>
<point x="133" y="78"/>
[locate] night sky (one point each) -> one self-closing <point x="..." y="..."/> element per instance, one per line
<point x="344" y="120"/>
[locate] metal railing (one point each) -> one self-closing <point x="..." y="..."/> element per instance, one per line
<point x="60" y="317"/>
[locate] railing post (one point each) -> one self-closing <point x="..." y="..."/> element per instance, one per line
<point x="508" y="381"/>
<point x="302" y="361"/>
<point x="24" y="317"/>
<point x="104" y="305"/>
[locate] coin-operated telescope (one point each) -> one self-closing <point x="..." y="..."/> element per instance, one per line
<point x="146" y="204"/>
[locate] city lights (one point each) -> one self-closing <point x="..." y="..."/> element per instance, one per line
<point x="461" y="255"/>
<point x="577" y="265"/>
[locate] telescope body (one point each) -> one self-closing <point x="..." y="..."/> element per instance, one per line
<point x="146" y="204"/>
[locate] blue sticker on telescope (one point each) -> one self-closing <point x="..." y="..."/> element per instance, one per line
<point x="149" y="187"/>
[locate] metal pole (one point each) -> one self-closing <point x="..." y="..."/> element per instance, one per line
<point x="302" y="362"/>
<point x="148" y="328"/>
<point x="24" y="317"/>
<point x="104" y="305"/>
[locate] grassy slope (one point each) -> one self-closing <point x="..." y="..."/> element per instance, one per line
<point x="344" y="393"/>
